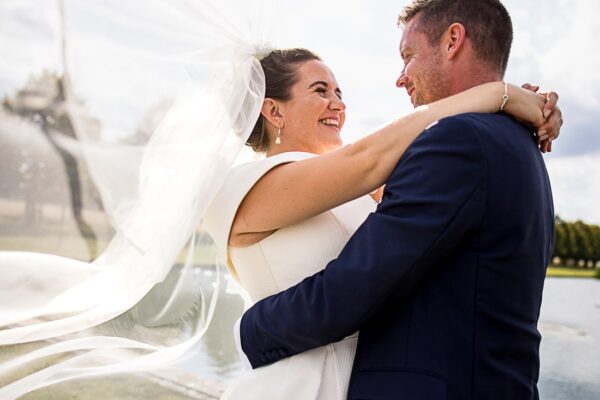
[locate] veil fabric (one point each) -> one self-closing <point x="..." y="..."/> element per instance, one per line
<point x="120" y="313"/>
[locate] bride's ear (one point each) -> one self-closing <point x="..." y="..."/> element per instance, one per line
<point x="271" y="111"/>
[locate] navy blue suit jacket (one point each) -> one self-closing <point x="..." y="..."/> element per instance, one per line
<point x="444" y="281"/>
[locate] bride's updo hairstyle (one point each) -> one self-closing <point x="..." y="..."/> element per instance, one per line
<point x="280" y="68"/>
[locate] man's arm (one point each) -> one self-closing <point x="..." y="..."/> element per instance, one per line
<point x="434" y="197"/>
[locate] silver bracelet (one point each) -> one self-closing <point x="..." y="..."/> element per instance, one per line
<point x="505" y="97"/>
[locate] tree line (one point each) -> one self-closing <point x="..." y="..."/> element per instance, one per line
<point x="576" y="244"/>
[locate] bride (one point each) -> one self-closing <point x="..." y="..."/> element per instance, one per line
<point x="281" y="219"/>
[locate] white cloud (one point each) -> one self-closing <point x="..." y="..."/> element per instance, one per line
<point x="556" y="46"/>
<point x="576" y="187"/>
<point x="558" y="42"/>
<point x="28" y="42"/>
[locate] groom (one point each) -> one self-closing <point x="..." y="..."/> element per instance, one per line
<point x="445" y="280"/>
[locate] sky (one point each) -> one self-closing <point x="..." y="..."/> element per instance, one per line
<point x="555" y="46"/>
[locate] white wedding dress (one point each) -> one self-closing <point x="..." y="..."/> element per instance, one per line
<point x="278" y="262"/>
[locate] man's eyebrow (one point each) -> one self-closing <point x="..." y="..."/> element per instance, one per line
<point x="337" y="90"/>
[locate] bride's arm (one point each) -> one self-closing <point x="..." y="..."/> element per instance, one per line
<point x="293" y="192"/>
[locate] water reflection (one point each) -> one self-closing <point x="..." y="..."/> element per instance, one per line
<point x="216" y="357"/>
<point x="570" y="351"/>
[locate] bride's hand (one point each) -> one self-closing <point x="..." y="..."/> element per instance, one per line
<point x="550" y="130"/>
<point x="539" y="110"/>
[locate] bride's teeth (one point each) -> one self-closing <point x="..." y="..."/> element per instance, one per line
<point x="332" y="122"/>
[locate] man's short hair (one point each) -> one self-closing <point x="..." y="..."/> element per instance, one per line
<point x="487" y="24"/>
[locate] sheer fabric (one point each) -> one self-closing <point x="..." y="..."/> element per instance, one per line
<point x="118" y="313"/>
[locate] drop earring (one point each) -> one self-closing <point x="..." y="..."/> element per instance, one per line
<point x="278" y="138"/>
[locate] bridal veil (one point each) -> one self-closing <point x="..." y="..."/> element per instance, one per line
<point x="199" y="60"/>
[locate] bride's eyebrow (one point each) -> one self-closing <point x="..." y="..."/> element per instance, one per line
<point x="337" y="90"/>
<point x="318" y="83"/>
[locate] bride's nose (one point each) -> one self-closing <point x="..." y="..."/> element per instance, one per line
<point x="337" y="104"/>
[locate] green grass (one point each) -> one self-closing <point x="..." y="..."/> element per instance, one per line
<point x="567" y="272"/>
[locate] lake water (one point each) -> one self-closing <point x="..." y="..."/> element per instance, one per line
<point x="570" y="350"/>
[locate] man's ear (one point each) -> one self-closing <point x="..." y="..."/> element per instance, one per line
<point x="454" y="39"/>
<point x="272" y="112"/>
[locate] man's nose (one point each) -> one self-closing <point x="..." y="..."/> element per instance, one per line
<point x="402" y="80"/>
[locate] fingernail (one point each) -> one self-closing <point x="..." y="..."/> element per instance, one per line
<point x="542" y="133"/>
<point x="547" y="113"/>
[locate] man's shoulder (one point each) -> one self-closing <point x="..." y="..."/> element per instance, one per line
<point x="476" y="122"/>
<point x="473" y="120"/>
<point x="456" y="129"/>
<point x="469" y="127"/>
<point x="475" y="117"/>
<point x="444" y="144"/>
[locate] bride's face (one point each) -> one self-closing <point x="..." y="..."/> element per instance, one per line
<point x="315" y="114"/>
